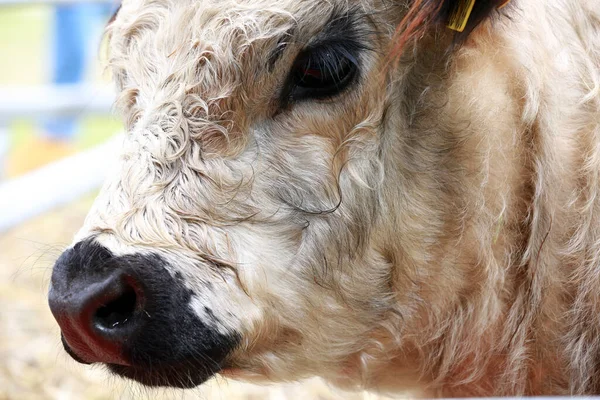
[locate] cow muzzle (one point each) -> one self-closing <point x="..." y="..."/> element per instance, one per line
<point x="132" y="314"/>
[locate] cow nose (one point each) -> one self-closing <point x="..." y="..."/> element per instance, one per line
<point x="97" y="312"/>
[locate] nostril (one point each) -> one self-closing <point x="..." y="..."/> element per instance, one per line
<point x="117" y="312"/>
<point x="99" y="304"/>
<point x="97" y="316"/>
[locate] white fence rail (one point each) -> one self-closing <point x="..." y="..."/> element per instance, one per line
<point x="59" y="183"/>
<point x="42" y="101"/>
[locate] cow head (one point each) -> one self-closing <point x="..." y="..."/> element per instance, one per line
<point x="265" y="204"/>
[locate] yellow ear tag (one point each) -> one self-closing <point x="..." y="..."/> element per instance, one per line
<point x="460" y="15"/>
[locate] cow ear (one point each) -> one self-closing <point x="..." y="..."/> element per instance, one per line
<point x="422" y="15"/>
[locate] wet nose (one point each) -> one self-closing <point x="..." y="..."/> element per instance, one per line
<point x="98" y="306"/>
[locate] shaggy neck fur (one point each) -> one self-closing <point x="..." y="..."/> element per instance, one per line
<point x="496" y="277"/>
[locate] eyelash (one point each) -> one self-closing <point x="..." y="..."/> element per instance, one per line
<point x="322" y="72"/>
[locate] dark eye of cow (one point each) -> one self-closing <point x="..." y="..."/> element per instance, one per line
<point x="322" y="73"/>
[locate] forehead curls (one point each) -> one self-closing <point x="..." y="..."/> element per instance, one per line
<point x="423" y="15"/>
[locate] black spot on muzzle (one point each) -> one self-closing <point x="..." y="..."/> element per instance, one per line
<point x="131" y="314"/>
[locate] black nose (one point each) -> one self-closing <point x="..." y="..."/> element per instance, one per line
<point x="97" y="304"/>
<point x="133" y="314"/>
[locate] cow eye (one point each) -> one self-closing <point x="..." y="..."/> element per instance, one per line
<point x="322" y="73"/>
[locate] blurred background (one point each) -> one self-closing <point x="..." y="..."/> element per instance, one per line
<point x="55" y="135"/>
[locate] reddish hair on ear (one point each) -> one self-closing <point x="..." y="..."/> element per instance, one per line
<point x="423" y="14"/>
